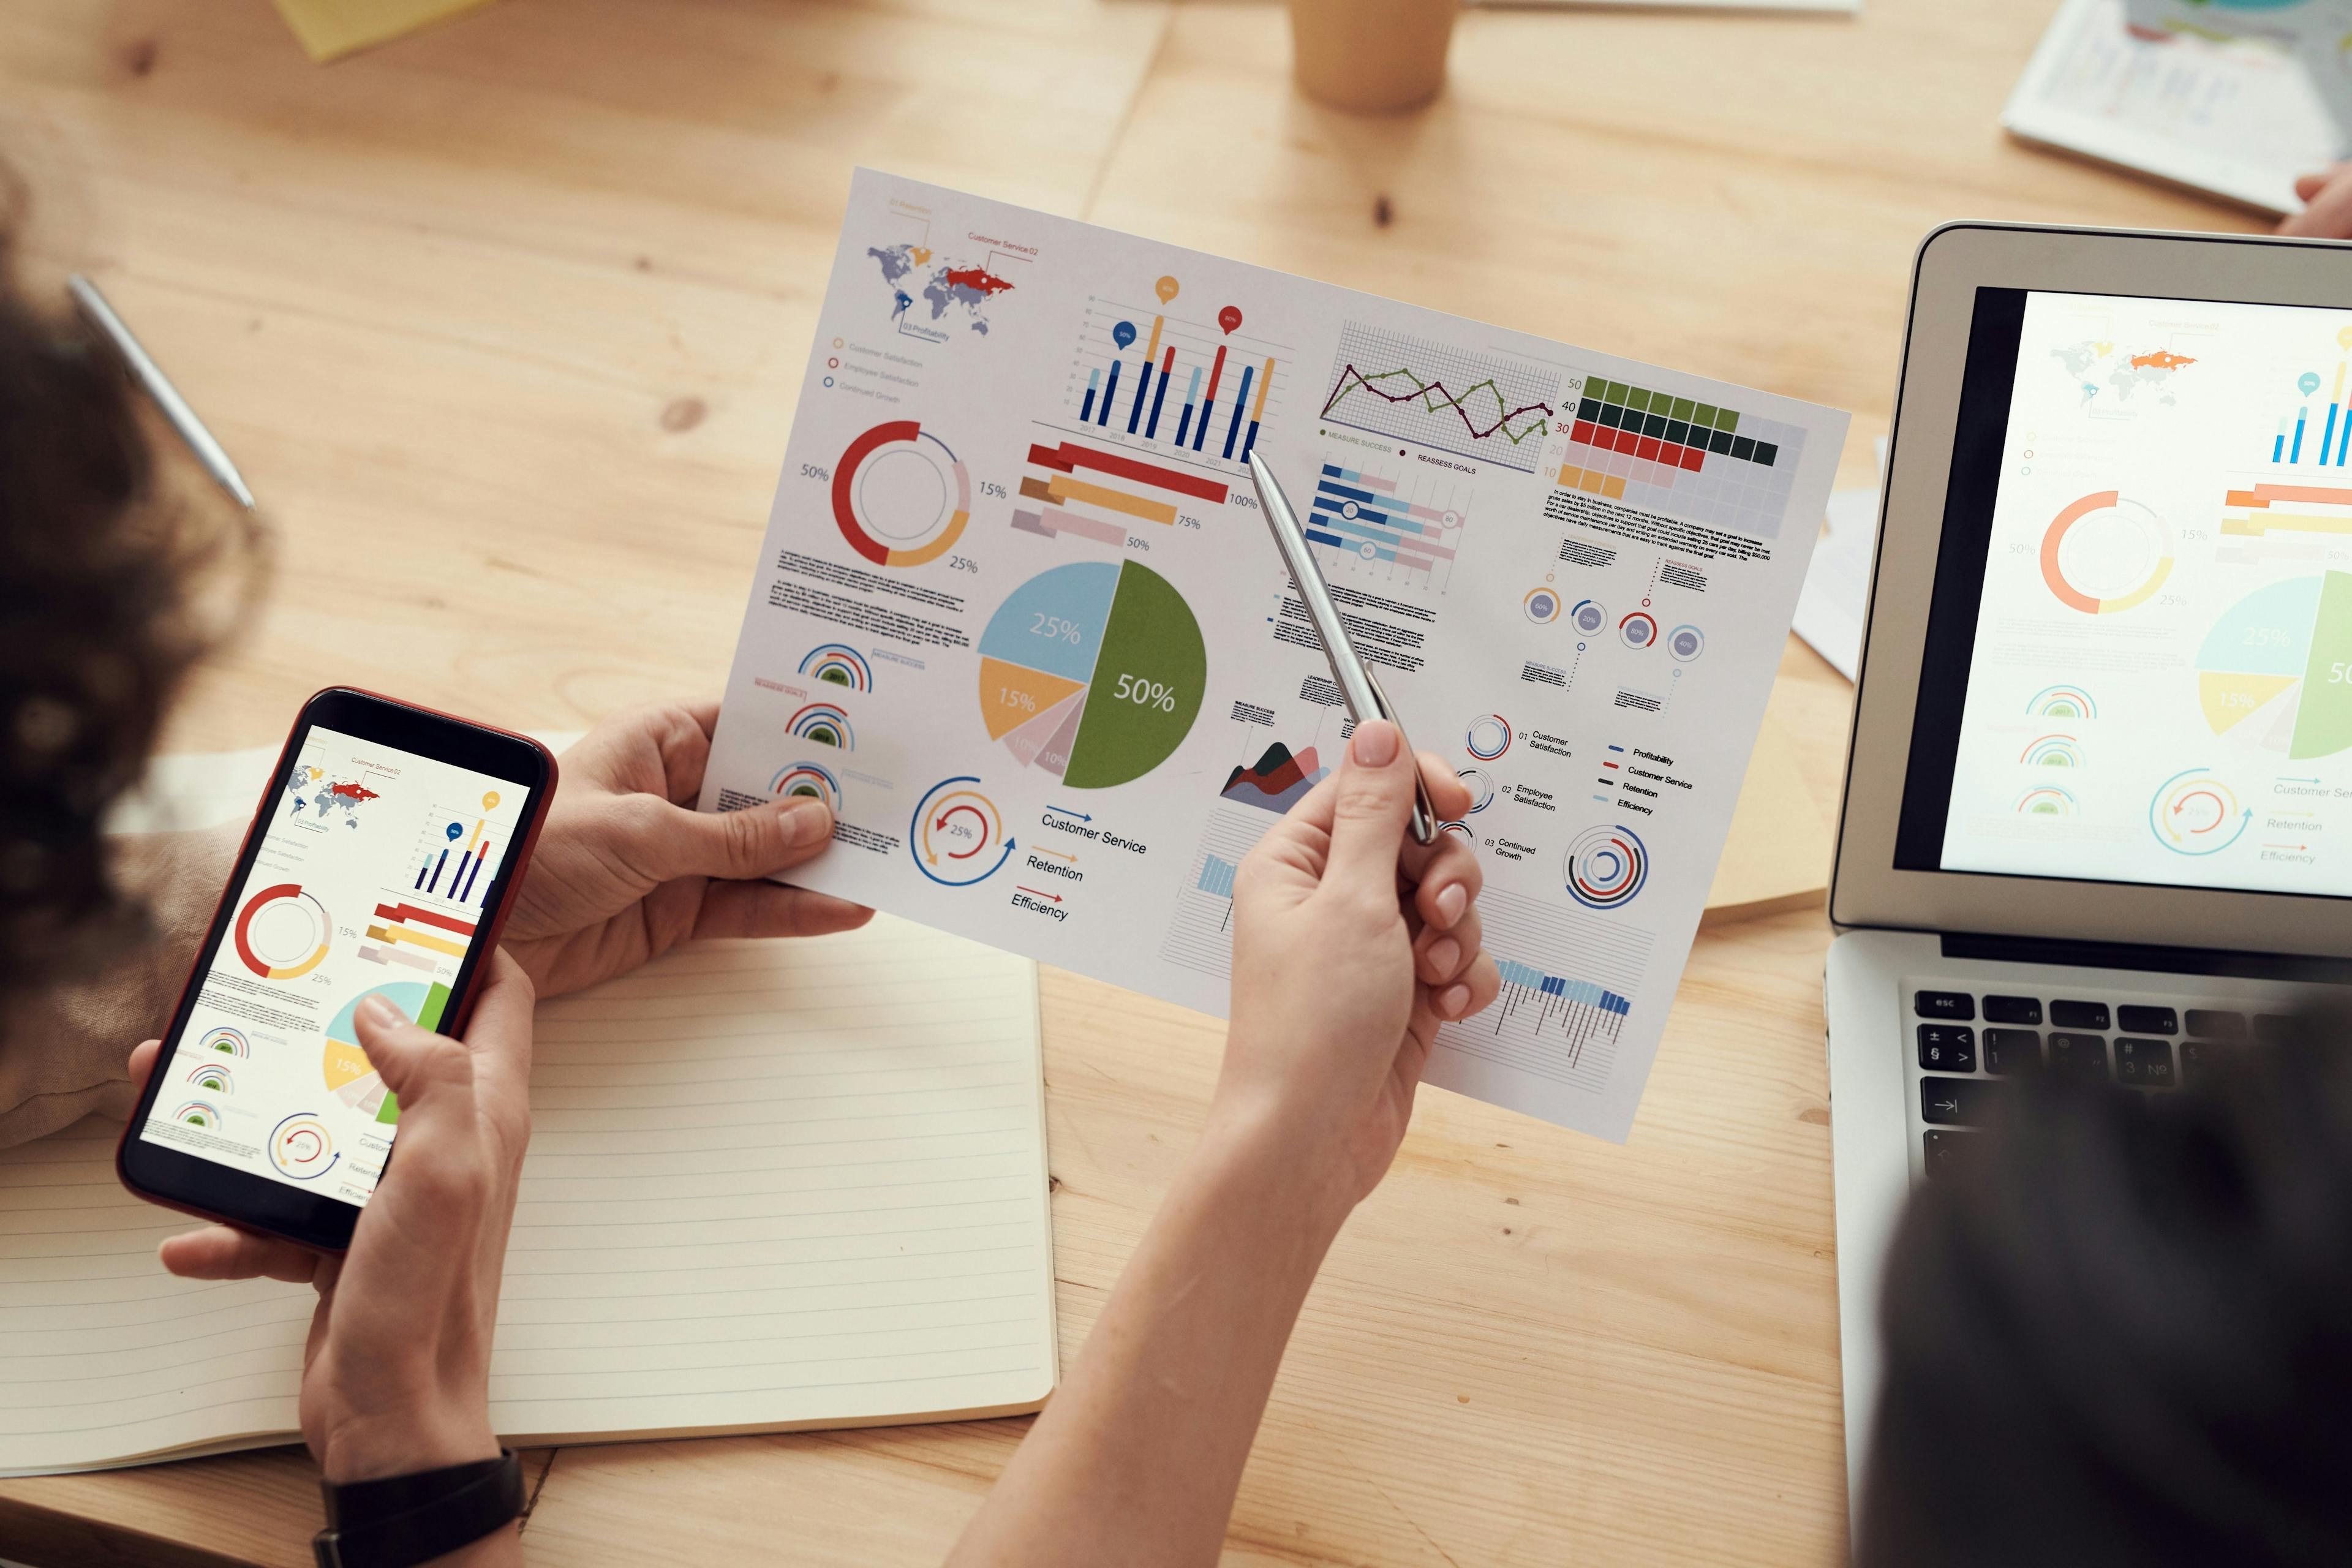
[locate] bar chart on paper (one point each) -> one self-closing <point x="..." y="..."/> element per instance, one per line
<point x="1200" y="928"/>
<point x="1568" y="978"/>
<point x="1081" y="492"/>
<point x="1387" y="526"/>
<point x="1437" y="395"/>
<point x="1146" y="378"/>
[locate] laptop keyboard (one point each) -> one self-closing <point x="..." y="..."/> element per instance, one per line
<point x="1973" y="1048"/>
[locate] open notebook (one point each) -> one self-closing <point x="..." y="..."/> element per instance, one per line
<point x="770" y="1186"/>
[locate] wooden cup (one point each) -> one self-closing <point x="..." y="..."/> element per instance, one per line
<point x="1372" y="56"/>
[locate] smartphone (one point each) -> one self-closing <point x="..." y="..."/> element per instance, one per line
<point x="381" y="862"/>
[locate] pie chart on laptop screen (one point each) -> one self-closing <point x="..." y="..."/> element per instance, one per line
<point x="1092" y="672"/>
<point x="2276" y="668"/>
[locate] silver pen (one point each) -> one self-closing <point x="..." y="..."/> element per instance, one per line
<point x="150" y="375"/>
<point x="1357" y="682"/>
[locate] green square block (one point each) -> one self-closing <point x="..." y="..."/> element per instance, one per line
<point x="1636" y="398"/>
<point x="1725" y="419"/>
<point x="1705" y="418"/>
<point x="1596" y="387"/>
<point x="1683" y="408"/>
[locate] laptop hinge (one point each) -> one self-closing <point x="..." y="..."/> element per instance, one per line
<point x="2299" y="968"/>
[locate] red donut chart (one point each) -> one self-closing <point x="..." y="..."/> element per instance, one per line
<point x="927" y="526"/>
<point x="288" y="954"/>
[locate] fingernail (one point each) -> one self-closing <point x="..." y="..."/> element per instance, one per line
<point x="1446" y="955"/>
<point x="1451" y="902"/>
<point x="806" y="821"/>
<point x="1375" y="744"/>
<point x="382" y="1014"/>
<point x="1455" y="1001"/>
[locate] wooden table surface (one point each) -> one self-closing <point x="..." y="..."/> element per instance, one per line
<point x="504" y="323"/>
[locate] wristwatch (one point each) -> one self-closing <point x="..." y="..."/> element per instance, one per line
<point x="401" y="1521"/>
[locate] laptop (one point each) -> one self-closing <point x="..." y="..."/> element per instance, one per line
<point x="2098" y="807"/>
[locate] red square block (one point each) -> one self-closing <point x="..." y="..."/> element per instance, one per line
<point x="1650" y="448"/>
<point x="1693" y="459"/>
<point x="1584" y="431"/>
<point x="1670" y="453"/>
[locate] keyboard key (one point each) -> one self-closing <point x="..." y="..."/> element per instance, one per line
<point x="2079" y="1056"/>
<point x="1947" y="1047"/>
<point x="2146" y="1063"/>
<point x="2079" y="1015"/>
<point x="2012" y="1010"/>
<point x="1952" y="1006"/>
<point x="2147" y="1020"/>
<point x="2011" y="1051"/>
<point x="2198" y="1060"/>
<point x="2217" y="1025"/>
<point x="1962" y="1101"/>
<point x="1952" y="1155"/>
<point x="2275" y="1028"/>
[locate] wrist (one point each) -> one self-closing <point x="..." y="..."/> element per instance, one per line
<point x="404" y="1444"/>
<point x="1296" y="1182"/>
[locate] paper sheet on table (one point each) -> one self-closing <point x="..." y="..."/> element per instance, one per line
<point x="2238" y="120"/>
<point x="1017" y="614"/>
<point x="328" y="29"/>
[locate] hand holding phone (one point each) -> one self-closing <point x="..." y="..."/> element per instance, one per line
<point x="381" y="865"/>
<point x="396" y="1373"/>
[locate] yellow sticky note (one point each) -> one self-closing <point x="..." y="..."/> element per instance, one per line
<point x="331" y="28"/>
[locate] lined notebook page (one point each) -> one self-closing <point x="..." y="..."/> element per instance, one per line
<point x="729" y="1225"/>
<point x="771" y="1185"/>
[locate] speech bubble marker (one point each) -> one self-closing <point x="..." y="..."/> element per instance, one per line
<point x="490" y="800"/>
<point x="1167" y="288"/>
<point x="2344" y="338"/>
<point x="1228" y="318"/>
<point x="2309" y="383"/>
<point x="1123" y="333"/>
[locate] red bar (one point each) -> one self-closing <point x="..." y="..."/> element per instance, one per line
<point x="411" y="913"/>
<point x="1216" y="369"/>
<point x="1069" y="458"/>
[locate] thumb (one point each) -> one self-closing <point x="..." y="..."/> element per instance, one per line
<point x="411" y="1060"/>
<point x="1369" y="809"/>
<point x="758" y="841"/>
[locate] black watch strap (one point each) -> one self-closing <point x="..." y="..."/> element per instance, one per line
<point x="401" y="1521"/>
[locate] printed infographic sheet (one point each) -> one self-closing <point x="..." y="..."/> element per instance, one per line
<point x="1018" y="618"/>
<point x="2162" y="686"/>
<point x="374" y="866"/>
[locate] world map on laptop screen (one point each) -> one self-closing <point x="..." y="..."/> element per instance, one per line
<point x="2160" y="685"/>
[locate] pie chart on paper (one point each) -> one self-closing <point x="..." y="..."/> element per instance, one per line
<point x="2276" y="668"/>
<point x="1092" y="672"/>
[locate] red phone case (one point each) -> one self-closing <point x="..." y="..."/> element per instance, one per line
<point x="456" y="1025"/>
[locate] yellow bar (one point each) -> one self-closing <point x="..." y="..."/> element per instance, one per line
<point x="2337" y="396"/>
<point x="1065" y="489"/>
<point x="1151" y="349"/>
<point x="416" y="939"/>
<point x="1257" y="409"/>
<point x="477" y="838"/>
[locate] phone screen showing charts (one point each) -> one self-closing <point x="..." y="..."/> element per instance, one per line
<point x="371" y="878"/>
<point x="1019" y="621"/>
<point x="2161" y="685"/>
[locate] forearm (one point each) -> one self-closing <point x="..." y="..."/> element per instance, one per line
<point x="1138" y="1457"/>
<point x="63" y="1053"/>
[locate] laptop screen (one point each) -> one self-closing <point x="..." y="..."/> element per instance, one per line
<point x="2138" y="660"/>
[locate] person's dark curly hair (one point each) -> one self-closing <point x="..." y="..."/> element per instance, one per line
<point x="104" y="563"/>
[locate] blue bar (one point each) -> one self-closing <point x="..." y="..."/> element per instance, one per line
<point x="2296" y="455"/>
<point x="420" y="873"/>
<point x="1200" y="431"/>
<point x="1110" y="395"/>
<point x="1184" y="424"/>
<point x="1240" y="401"/>
<point x="2346" y="441"/>
<point x="1249" y="441"/>
<point x="2278" y="443"/>
<point x="1142" y="387"/>
<point x="435" y="885"/>
<point x="1086" y="409"/>
<point x="1216" y="877"/>
<point x="472" y="874"/>
<point x="1152" y="426"/>
<point x="2328" y="439"/>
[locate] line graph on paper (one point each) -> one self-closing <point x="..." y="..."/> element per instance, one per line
<point x="1434" y="394"/>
